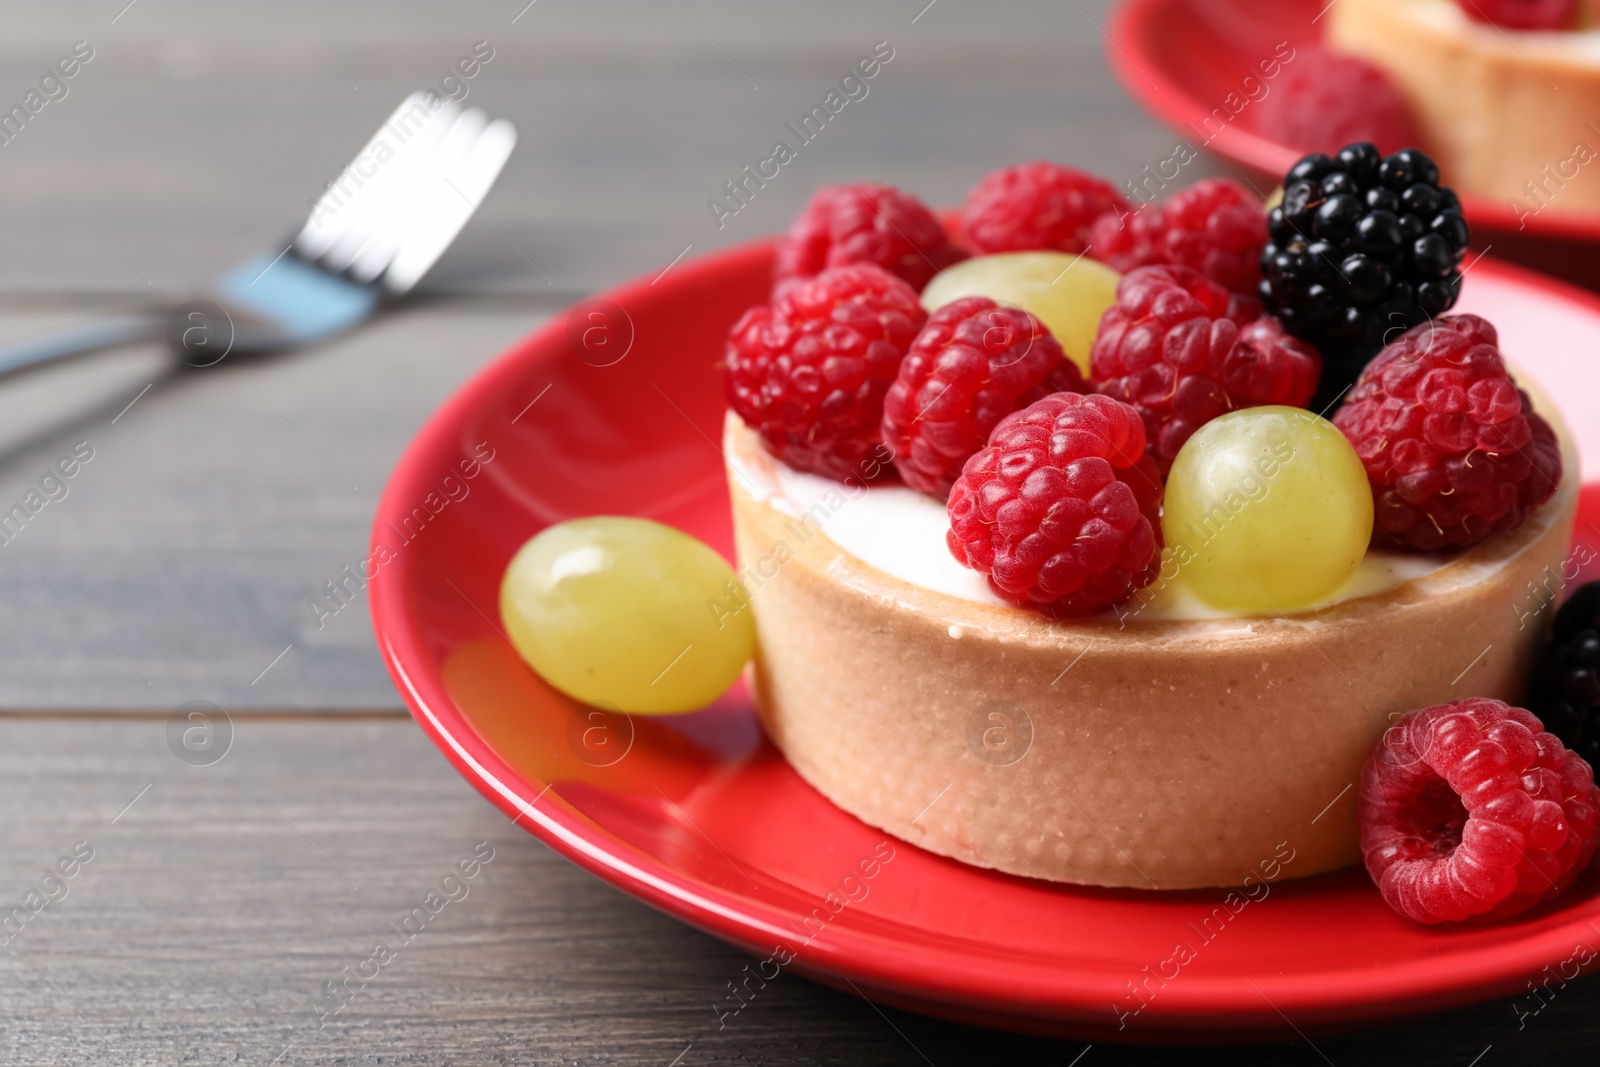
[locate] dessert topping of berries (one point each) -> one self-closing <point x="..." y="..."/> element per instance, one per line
<point x="1471" y="810"/>
<point x="974" y="363"/>
<point x="1454" y="450"/>
<point x="1177" y="347"/>
<point x="1324" y="99"/>
<point x="1565" y="692"/>
<point x="1058" y="510"/>
<point x="1362" y="248"/>
<point x="1037" y="206"/>
<point x="809" y="372"/>
<point x="863" y="222"/>
<point x="1523" y="14"/>
<point x="1215" y="226"/>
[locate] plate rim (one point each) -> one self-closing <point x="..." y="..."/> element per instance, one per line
<point x="1035" y="995"/>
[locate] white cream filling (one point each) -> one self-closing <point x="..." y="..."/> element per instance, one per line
<point x="901" y="532"/>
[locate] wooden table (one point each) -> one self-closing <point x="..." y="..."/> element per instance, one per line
<point x="220" y="900"/>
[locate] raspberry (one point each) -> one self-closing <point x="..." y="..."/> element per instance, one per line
<point x="1523" y="14"/>
<point x="1038" y="206"/>
<point x="1059" y="509"/>
<point x="1454" y="450"/>
<point x="1324" y="100"/>
<point x="1176" y="347"/>
<point x="809" y="372"/>
<point x="1471" y="810"/>
<point x="1127" y="242"/>
<point x="1267" y="366"/>
<point x="974" y="363"/>
<point x="1565" y="689"/>
<point x="1216" y="226"/>
<point x="863" y="223"/>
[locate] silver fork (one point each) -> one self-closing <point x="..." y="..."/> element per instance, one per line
<point x="368" y="240"/>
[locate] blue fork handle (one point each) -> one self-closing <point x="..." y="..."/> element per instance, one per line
<point x="78" y="341"/>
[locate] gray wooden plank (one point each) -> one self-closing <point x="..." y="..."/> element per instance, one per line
<point x="198" y="134"/>
<point x="179" y="563"/>
<point x="217" y="905"/>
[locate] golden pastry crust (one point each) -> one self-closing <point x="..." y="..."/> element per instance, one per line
<point x="1169" y="754"/>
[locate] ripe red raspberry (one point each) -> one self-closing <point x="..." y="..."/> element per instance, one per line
<point x="863" y="222"/>
<point x="1059" y="508"/>
<point x="1127" y="242"/>
<point x="1454" y="450"/>
<point x="1216" y="226"/>
<point x="1471" y="810"/>
<point x="1038" y="206"/>
<point x="1323" y="101"/>
<point x="1523" y="14"/>
<point x="973" y="364"/>
<point x="1176" y="346"/>
<point x="809" y="372"/>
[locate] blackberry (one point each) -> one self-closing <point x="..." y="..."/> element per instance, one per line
<point x="1362" y="248"/>
<point x="1565" y="689"/>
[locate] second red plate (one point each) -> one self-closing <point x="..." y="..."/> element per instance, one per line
<point x="1182" y="58"/>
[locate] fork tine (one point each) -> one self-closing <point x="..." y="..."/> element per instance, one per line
<point x="426" y="171"/>
<point x="446" y="201"/>
<point x="374" y="204"/>
<point x="327" y="222"/>
<point x="394" y="214"/>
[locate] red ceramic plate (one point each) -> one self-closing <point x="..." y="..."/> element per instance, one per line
<point x="615" y="408"/>
<point x="1181" y="59"/>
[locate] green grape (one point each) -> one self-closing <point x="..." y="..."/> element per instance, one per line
<point x="1067" y="293"/>
<point x="1267" y="509"/>
<point x="627" y="612"/>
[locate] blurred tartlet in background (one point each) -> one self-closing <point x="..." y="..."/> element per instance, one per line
<point x="1504" y="93"/>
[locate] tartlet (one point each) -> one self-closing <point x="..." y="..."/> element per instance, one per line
<point x="1150" y="753"/>
<point x="1508" y="114"/>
